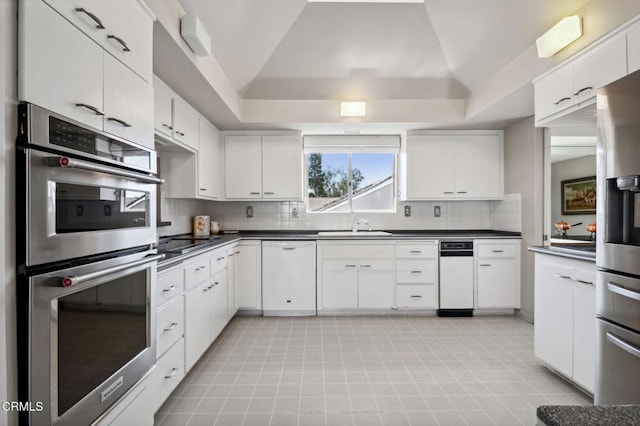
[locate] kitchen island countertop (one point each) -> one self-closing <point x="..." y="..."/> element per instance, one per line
<point x="573" y="253"/>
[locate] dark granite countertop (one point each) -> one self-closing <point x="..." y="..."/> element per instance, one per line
<point x="172" y="259"/>
<point x="573" y="253"/>
<point x="578" y="415"/>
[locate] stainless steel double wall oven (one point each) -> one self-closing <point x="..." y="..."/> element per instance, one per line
<point x="618" y="249"/>
<point x="87" y="267"/>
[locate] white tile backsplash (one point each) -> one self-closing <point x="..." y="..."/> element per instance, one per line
<point x="506" y="214"/>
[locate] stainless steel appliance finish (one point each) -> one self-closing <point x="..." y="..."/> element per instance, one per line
<point x="618" y="248"/>
<point x="91" y="336"/>
<point x="456" y="278"/>
<point x="80" y="192"/>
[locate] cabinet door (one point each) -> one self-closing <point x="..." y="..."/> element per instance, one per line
<point x="554" y="92"/>
<point x="128" y="104"/>
<point x="128" y="34"/>
<point x="209" y="162"/>
<point x="584" y="334"/>
<point x="430" y="172"/>
<point x="553" y="327"/>
<point x="185" y="124"/>
<point x="162" y="109"/>
<point x="598" y="67"/>
<point x="243" y="167"/>
<point x="633" y="48"/>
<point x="248" y="277"/>
<point x="61" y="73"/>
<point x="478" y="166"/>
<point x="376" y="284"/>
<point x="197" y="331"/>
<point x="219" y="315"/>
<point x="496" y="283"/>
<point x="232" y="306"/>
<point x="282" y="167"/>
<point x="339" y="287"/>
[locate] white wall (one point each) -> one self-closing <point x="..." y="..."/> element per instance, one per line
<point x="8" y="126"/>
<point x="570" y="169"/>
<point x="524" y="168"/>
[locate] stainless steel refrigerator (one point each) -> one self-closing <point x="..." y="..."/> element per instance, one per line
<point x="618" y="246"/>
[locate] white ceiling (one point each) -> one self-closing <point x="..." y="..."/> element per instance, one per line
<point x="439" y="49"/>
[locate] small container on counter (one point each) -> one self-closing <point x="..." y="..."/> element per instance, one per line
<point x="201" y="226"/>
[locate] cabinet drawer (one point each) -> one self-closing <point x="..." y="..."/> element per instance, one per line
<point x="497" y="250"/>
<point x="417" y="296"/>
<point x="170" y="325"/>
<point x="218" y="261"/>
<point x="349" y="251"/>
<point x="197" y="271"/>
<point x="417" y="250"/>
<point x="416" y="271"/>
<point x="170" y="284"/>
<point x="168" y="373"/>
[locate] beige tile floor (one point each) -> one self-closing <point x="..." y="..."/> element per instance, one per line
<point x="368" y="371"/>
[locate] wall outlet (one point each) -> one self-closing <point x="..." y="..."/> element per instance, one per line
<point x="436" y="211"/>
<point x="295" y="213"/>
<point x="249" y="211"/>
<point x="407" y="211"/>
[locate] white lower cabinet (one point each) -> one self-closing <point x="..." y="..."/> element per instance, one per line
<point x="170" y="325"/>
<point x="565" y="326"/>
<point x="417" y="275"/>
<point x="248" y="276"/>
<point x="376" y="283"/>
<point x="197" y="326"/>
<point x="497" y="273"/>
<point x="135" y="408"/>
<point x="168" y="373"/>
<point x="232" y="305"/>
<point x="218" y="315"/>
<point x="339" y="285"/>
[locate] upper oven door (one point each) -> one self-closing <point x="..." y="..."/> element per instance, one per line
<point x="77" y="208"/>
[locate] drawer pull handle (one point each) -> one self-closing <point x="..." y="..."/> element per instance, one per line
<point x="484" y="264"/>
<point x="288" y="248"/>
<point x="566" y="277"/>
<point x="171" y="326"/>
<point x="220" y="258"/>
<point x="416" y="296"/>
<point x="416" y="272"/>
<point x="93" y="17"/>
<point x="448" y="192"/>
<point x="174" y="370"/>
<point x="269" y="193"/>
<point x="497" y="251"/>
<point x="581" y="281"/>
<point x="167" y="126"/>
<point x="561" y="101"/>
<point x="462" y="192"/>
<point x="618" y="289"/>
<point x="170" y="289"/>
<point x="91" y="108"/>
<point x="117" y="120"/>
<point x="231" y="255"/>
<point x="415" y="251"/>
<point x="582" y="90"/>
<point x="125" y="48"/>
<point x="623" y="344"/>
<point x="365" y="266"/>
<point x="349" y="266"/>
<point x="254" y="193"/>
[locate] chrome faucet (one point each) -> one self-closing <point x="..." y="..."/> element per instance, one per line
<point x="357" y="222"/>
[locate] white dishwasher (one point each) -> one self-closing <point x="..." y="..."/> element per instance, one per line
<point x="456" y="279"/>
<point x="289" y="278"/>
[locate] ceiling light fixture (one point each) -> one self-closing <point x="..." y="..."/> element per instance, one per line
<point x="559" y="36"/>
<point x="365" y="1"/>
<point x="353" y="109"/>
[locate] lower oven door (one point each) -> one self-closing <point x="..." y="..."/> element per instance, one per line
<point x="91" y="336"/>
<point x="79" y="208"/>
<point x="617" y="365"/>
<point x="618" y="298"/>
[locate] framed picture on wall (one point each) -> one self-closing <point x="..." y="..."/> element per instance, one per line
<point x="579" y="195"/>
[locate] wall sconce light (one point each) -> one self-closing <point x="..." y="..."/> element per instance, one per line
<point x="559" y="36"/>
<point x="353" y="109"/>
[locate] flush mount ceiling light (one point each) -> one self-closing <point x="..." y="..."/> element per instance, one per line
<point x="195" y="35"/>
<point x="559" y="36"/>
<point x="353" y="109"/>
<point x="365" y="1"/>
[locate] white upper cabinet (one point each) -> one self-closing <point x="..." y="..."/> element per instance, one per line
<point x="243" y="167"/>
<point x="263" y="167"/>
<point x="454" y="165"/>
<point x="633" y="48"/>
<point x="174" y="119"/>
<point x="52" y="75"/>
<point x="281" y="167"/>
<point x="575" y="82"/>
<point x="127" y="102"/>
<point x="185" y="123"/>
<point x="210" y="157"/>
<point x="163" y="115"/>
<point x="122" y="27"/>
<point x="72" y="75"/>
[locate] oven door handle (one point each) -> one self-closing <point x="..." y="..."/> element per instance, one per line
<point x="623" y="344"/>
<point x="66" y="162"/>
<point x="75" y="280"/>
<point x="617" y="288"/>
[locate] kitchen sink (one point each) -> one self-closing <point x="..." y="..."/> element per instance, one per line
<point x="354" y="234"/>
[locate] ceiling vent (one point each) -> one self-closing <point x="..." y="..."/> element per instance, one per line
<point x="195" y="35"/>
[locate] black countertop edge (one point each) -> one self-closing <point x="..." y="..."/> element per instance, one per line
<point x="564" y="252"/>
<point x="172" y="259"/>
